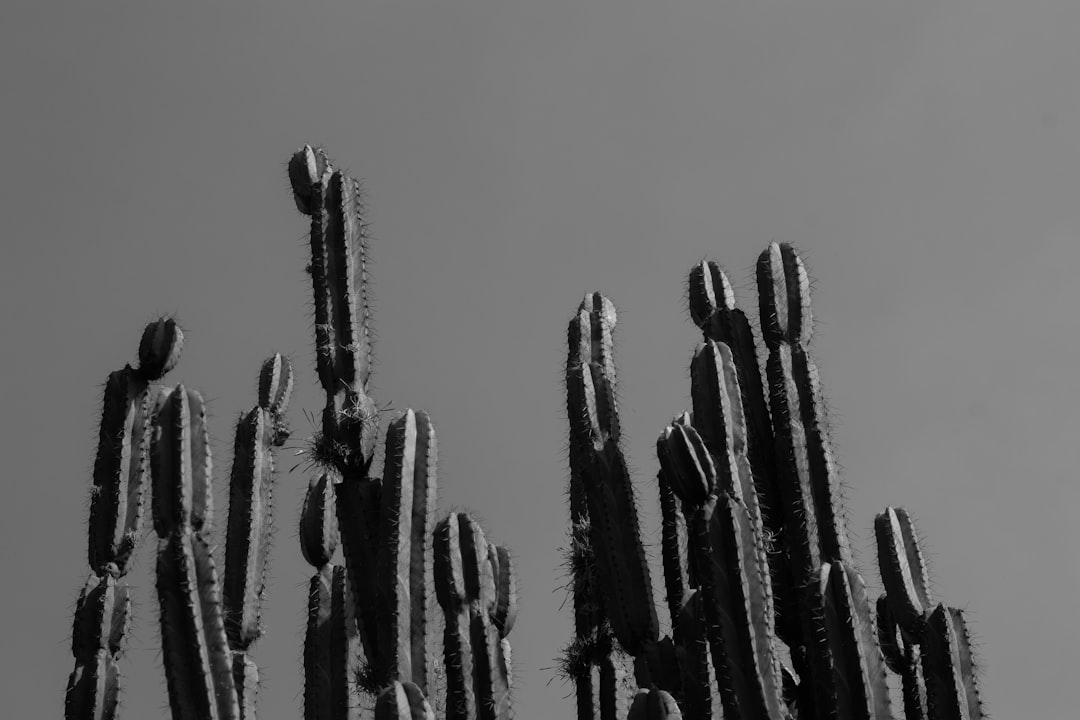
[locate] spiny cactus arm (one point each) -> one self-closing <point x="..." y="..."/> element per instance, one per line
<point x="598" y="461"/>
<point x="120" y="480"/>
<point x="454" y="594"/>
<point x="247" y="545"/>
<point x="504" y="614"/>
<point x="331" y="643"/>
<point x="712" y="309"/>
<point x="654" y="704"/>
<point x="403" y="701"/>
<point x="738" y="607"/>
<point x="342" y="313"/>
<point x="477" y="667"/>
<point x="198" y="662"/>
<point x="859" y="683"/>
<point x="358" y="499"/>
<point x="183" y="495"/>
<point x="405" y="555"/>
<point x="903" y="569"/>
<point x="949" y="667"/>
<point x="784" y="297"/>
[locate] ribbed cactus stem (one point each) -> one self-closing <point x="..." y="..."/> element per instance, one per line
<point x="198" y="661"/>
<point x="405" y="561"/>
<point x="597" y="462"/>
<point x="903" y="569"/>
<point x="949" y="668"/>
<point x="331" y="649"/>
<point x="120" y="480"/>
<point x="247" y="545"/>
<point x="477" y="671"/>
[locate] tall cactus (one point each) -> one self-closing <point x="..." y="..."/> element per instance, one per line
<point x="757" y="562"/>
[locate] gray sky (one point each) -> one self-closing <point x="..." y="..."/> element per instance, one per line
<point x="923" y="155"/>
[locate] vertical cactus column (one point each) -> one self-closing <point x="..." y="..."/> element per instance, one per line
<point x="247" y="540"/>
<point x="606" y="533"/>
<point x="121" y="476"/>
<point x="331" y="643"/>
<point x="925" y="643"/>
<point x="478" y="606"/>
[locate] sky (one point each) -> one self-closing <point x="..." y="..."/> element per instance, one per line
<point x="923" y="156"/>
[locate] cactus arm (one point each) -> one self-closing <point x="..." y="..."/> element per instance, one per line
<point x="120" y="480"/>
<point x="951" y="686"/>
<point x="403" y="701"/>
<point x="405" y="561"/>
<point x="654" y="704"/>
<point x="198" y="663"/>
<point x="903" y="569"/>
<point x="594" y="427"/>
<point x="247" y="544"/>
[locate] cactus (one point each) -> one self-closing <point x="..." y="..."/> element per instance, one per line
<point x="769" y="615"/>
<point x="757" y="563"/>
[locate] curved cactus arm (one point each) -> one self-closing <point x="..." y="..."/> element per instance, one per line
<point x="598" y="462"/>
<point x="405" y="558"/>
<point x="198" y="661"/>
<point x="247" y="545"/>
<point x="903" y="569"/>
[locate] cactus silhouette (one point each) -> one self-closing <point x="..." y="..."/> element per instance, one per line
<point x="769" y="615"/>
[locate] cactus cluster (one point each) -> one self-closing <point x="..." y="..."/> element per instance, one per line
<point x="371" y="617"/>
<point x="769" y="616"/>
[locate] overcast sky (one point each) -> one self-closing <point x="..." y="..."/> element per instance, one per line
<point x="924" y="156"/>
